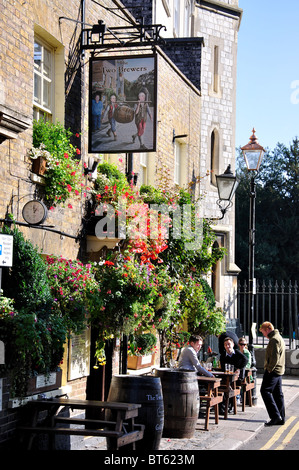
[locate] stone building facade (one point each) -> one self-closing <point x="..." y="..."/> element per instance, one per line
<point x="218" y="23"/>
<point x="201" y="38"/>
<point x="196" y="104"/>
<point x="50" y="33"/>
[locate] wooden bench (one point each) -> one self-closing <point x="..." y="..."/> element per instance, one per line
<point x="121" y="432"/>
<point x="212" y="398"/>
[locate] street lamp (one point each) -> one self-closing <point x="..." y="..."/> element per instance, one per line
<point x="227" y="184"/>
<point x="253" y="154"/>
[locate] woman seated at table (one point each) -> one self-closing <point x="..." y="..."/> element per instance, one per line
<point x="244" y="350"/>
<point x="188" y="359"/>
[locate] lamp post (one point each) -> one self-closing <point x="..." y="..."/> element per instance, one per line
<point x="253" y="154"/>
<point x="227" y="184"/>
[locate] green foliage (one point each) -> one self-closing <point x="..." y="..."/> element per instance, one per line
<point x="33" y="334"/>
<point x="64" y="174"/>
<point x="277" y="211"/>
<point x="111" y="171"/>
<point x="208" y="292"/>
<point x="142" y="344"/>
<point x="180" y="259"/>
<point x="73" y="289"/>
<point x="26" y="282"/>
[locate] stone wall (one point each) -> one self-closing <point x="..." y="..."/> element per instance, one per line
<point x="291" y="364"/>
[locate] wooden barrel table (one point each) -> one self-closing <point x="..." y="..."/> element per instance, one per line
<point x="181" y="402"/>
<point x="147" y="391"/>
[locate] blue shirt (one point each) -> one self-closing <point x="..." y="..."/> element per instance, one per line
<point x="97" y="107"/>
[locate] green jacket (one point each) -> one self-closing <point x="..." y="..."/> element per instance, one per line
<point x="275" y="354"/>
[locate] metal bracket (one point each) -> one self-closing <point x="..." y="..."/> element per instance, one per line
<point x="100" y="37"/>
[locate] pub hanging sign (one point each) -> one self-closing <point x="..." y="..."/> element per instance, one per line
<point x="122" y="104"/>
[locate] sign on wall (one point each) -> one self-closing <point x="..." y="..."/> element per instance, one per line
<point x="6" y="250"/>
<point x="122" y="104"/>
<point x="79" y="355"/>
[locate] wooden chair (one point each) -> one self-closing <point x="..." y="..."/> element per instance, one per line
<point x="246" y="388"/>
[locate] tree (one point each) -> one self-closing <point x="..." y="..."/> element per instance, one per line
<point x="277" y="193"/>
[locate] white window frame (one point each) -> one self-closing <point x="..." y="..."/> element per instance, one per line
<point x="40" y="110"/>
<point x="176" y="18"/>
<point x="187" y="14"/>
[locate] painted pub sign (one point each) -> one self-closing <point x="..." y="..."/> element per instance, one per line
<point x="122" y="104"/>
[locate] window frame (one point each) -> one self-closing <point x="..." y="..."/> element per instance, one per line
<point x="39" y="108"/>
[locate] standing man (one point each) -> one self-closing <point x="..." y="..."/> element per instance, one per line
<point x="271" y="388"/>
<point x="188" y="359"/>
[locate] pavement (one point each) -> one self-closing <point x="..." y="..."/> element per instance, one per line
<point x="229" y="434"/>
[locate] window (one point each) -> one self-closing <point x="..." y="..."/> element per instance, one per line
<point x="176" y="17"/>
<point x="187" y="18"/>
<point x="166" y="7"/>
<point x="216" y="70"/>
<point x="43" y="80"/>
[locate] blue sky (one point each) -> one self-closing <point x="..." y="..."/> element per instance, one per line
<point x="268" y="68"/>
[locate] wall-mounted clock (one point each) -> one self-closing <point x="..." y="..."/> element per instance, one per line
<point x="35" y="212"/>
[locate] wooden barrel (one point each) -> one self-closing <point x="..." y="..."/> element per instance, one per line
<point x="124" y="114"/>
<point x="147" y="391"/>
<point x="181" y="402"/>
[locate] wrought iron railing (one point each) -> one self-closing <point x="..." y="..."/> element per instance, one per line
<point x="276" y="302"/>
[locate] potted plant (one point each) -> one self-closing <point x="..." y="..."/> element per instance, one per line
<point x="141" y="351"/>
<point x="39" y="156"/>
<point x="58" y="160"/>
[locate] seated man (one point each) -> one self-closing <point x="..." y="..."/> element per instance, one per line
<point x="234" y="357"/>
<point x="188" y="358"/>
<point x="223" y="336"/>
<point x="237" y="359"/>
